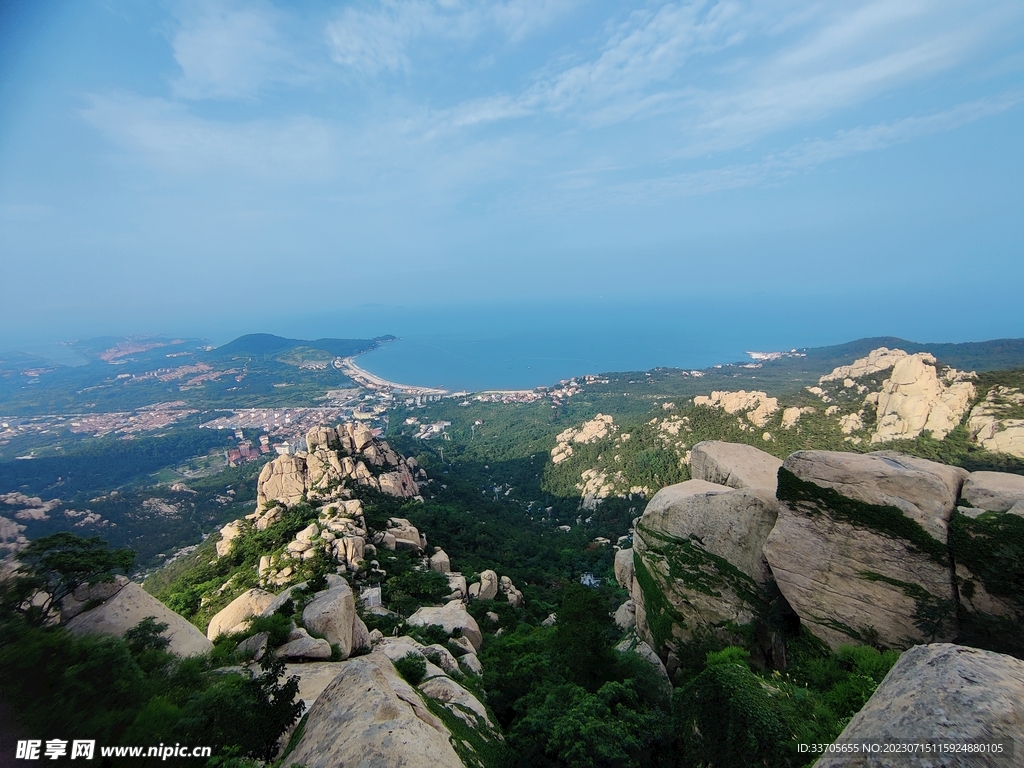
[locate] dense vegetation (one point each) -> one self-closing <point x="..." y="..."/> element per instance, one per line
<point x="566" y="697"/>
<point x="125" y="691"/>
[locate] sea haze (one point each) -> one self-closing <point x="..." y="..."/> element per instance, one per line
<point x="527" y="344"/>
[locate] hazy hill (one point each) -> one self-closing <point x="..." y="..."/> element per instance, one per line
<point x="269" y="344"/>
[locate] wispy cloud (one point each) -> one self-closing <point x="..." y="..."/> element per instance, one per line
<point x="812" y="153"/>
<point x="376" y="38"/>
<point x="730" y="72"/>
<point x="168" y="137"/>
<point x="229" y="51"/>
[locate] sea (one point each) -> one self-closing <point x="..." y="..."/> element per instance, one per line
<point x="521" y="345"/>
<point x="524" y="345"/>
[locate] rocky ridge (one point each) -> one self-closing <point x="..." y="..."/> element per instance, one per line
<point x="877" y="548"/>
<point x="888" y="395"/>
<point x="347" y="675"/>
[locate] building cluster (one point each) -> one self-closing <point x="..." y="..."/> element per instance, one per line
<point x="123" y="423"/>
<point x="284" y="428"/>
<point x="246" y="451"/>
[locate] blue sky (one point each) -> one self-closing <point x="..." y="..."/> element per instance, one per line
<point x="174" y="164"/>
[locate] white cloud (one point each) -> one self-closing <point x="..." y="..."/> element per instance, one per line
<point x="230" y="52"/>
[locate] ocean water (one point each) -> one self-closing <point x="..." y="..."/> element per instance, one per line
<point x="527" y="345"/>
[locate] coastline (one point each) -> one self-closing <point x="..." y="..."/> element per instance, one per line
<point x="365" y="379"/>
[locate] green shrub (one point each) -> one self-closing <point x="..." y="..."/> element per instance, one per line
<point x="412" y="667"/>
<point x="277" y="625"/>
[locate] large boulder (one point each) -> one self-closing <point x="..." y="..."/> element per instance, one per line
<point x="76" y="602"/>
<point x="235" y="615"/>
<point x="625" y="615"/>
<point x="859" y="549"/>
<point x="399" y="483"/>
<point x="406" y="535"/>
<point x="325" y="471"/>
<point x="993" y="491"/>
<point x="368" y="716"/>
<point x="332" y="614"/>
<point x="457" y="700"/>
<point x="992" y="424"/>
<point x="301" y="645"/>
<point x="130" y="605"/>
<point x="942" y="694"/>
<point x="457" y="584"/>
<point x="451" y="617"/>
<point x="314" y="677"/>
<point x="440" y="562"/>
<point x="228" y="534"/>
<point x="624" y="568"/>
<point x="925" y="491"/>
<point x="734" y="464"/>
<point x="488" y="585"/>
<point x="283" y="479"/>
<point x="698" y="559"/>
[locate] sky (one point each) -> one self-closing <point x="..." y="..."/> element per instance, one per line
<point x="172" y="166"/>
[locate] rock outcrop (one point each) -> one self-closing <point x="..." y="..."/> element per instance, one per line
<point x="130" y="605"/>
<point x="986" y="545"/>
<point x="227" y="535"/>
<point x="439" y="561"/>
<point x="488" y="587"/>
<point x="793" y="414"/>
<point x="918" y="396"/>
<point x="698" y="558"/>
<point x="757" y="406"/>
<point x="860" y="546"/>
<point x="942" y="693"/>
<point x="314" y="677"/>
<point x="625" y="615"/>
<point x="235" y="615"/>
<point x="877" y="360"/>
<point x="332" y="615"/>
<point x="336" y="461"/>
<point x="925" y="491"/>
<point x="457" y="700"/>
<point x="283" y="480"/>
<point x="914" y="400"/>
<point x="735" y="465"/>
<point x="590" y="431"/>
<point x="370" y="716"/>
<point x="624" y="568"/>
<point x="451" y="617"/>
<point x="77" y="601"/>
<point x="997" y="422"/>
